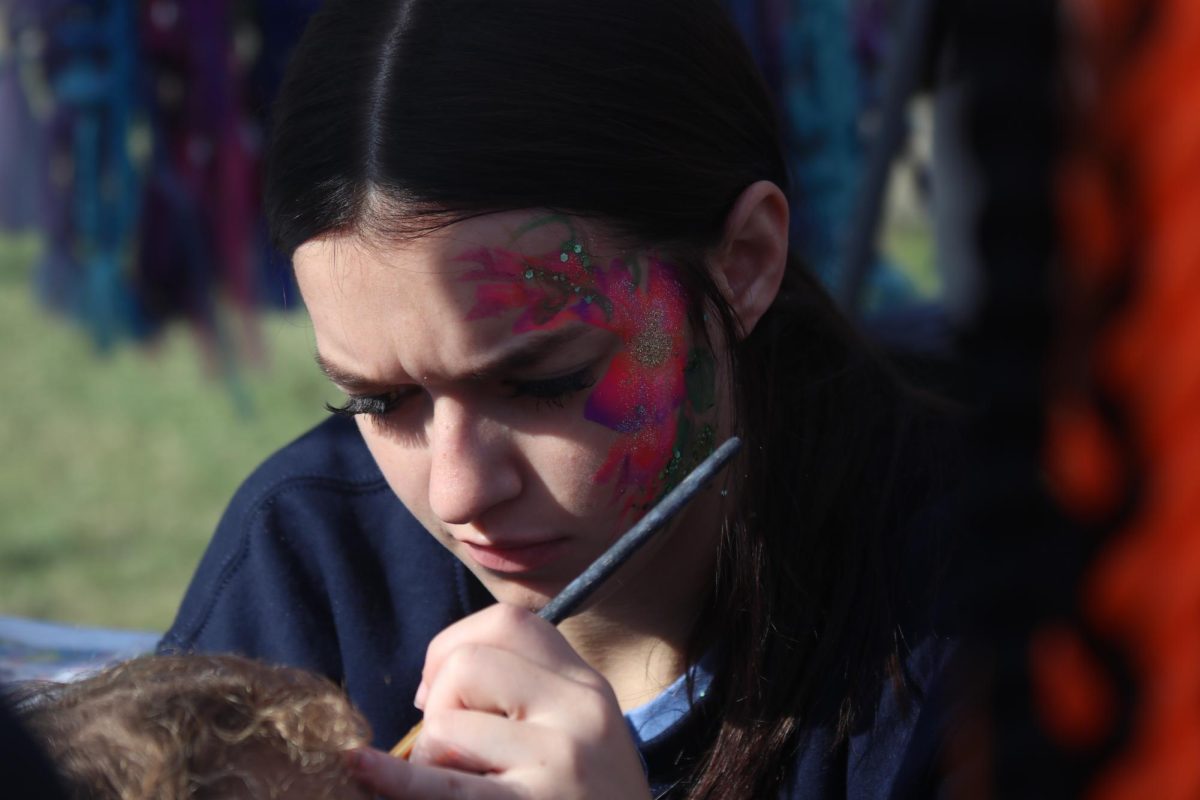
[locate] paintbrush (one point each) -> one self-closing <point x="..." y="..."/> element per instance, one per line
<point x="580" y="589"/>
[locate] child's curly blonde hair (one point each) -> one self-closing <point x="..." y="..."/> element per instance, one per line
<point x="193" y="727"/>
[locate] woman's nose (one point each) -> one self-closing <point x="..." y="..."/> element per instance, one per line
<point x="471" y="467"/>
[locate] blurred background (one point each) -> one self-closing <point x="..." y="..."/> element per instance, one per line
<point x="155" y="349"/>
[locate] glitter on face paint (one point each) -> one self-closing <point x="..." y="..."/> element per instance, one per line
<point x="652" y="345"/>
<point x="647" y="392"/>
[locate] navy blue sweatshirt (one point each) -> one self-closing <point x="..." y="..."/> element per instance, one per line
<point x="317" y="564"/>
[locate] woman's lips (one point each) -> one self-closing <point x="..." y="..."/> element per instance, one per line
<point x="515" y="558"/>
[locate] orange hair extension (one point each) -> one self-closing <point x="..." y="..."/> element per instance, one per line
<point x="1130" y="203"/>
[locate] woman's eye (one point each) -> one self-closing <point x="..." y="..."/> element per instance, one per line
<point x="554" y="390"/>
<point x="379" y="405"/>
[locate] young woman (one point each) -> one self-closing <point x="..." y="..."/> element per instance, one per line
<point x="543" y="244"/>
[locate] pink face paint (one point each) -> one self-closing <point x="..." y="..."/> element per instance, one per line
<point x="646" y="384"/>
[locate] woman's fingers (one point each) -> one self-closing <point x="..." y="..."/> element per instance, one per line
<point x="496" y="680"/>
<point x="491" y="710"/>
<point x="512" y="711"/>
<point x="470" y="741"/>
<point x="546" y="760"/>
<point x="393" y="779"/>
<point x="510" y="628"/>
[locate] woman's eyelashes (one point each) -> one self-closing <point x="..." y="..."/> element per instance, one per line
<point x="554" y="391"/>
<point x="378" y="405"/>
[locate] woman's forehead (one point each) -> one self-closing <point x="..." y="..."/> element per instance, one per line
<point x="531" y="232"/>
<point x="437" y="302"/>
<point x="367" y="272"/>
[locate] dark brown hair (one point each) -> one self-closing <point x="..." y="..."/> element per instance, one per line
<point x="648" y="117"/>
<point x="195" y="727"/>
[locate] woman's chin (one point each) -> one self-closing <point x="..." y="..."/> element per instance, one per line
<point x="524" y="593"/>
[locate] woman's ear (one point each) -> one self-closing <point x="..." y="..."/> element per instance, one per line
<point x="752" y="256"/>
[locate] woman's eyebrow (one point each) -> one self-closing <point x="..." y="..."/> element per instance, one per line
<point x="343" y="378"/>
<point x="531" y="351"/>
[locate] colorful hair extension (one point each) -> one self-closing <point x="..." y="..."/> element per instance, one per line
<point x="1124" y="440"/>
<point x="140" y="236"/>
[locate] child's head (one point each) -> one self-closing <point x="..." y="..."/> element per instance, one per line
<point x="195" y="727"/>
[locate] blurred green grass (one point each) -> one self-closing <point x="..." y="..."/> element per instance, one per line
<point x="114" y="469"/>
<point x="910" y="248"/>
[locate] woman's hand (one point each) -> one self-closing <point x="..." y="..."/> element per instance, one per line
<point x="511" y="711"/>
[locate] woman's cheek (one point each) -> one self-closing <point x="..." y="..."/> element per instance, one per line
<point x="642" y="399"/>
<point x="405" y="468"/>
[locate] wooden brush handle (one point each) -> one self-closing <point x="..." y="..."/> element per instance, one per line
<point x="404" y="747"/>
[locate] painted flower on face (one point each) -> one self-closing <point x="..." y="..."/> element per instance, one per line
<point x="647" y="382"/>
